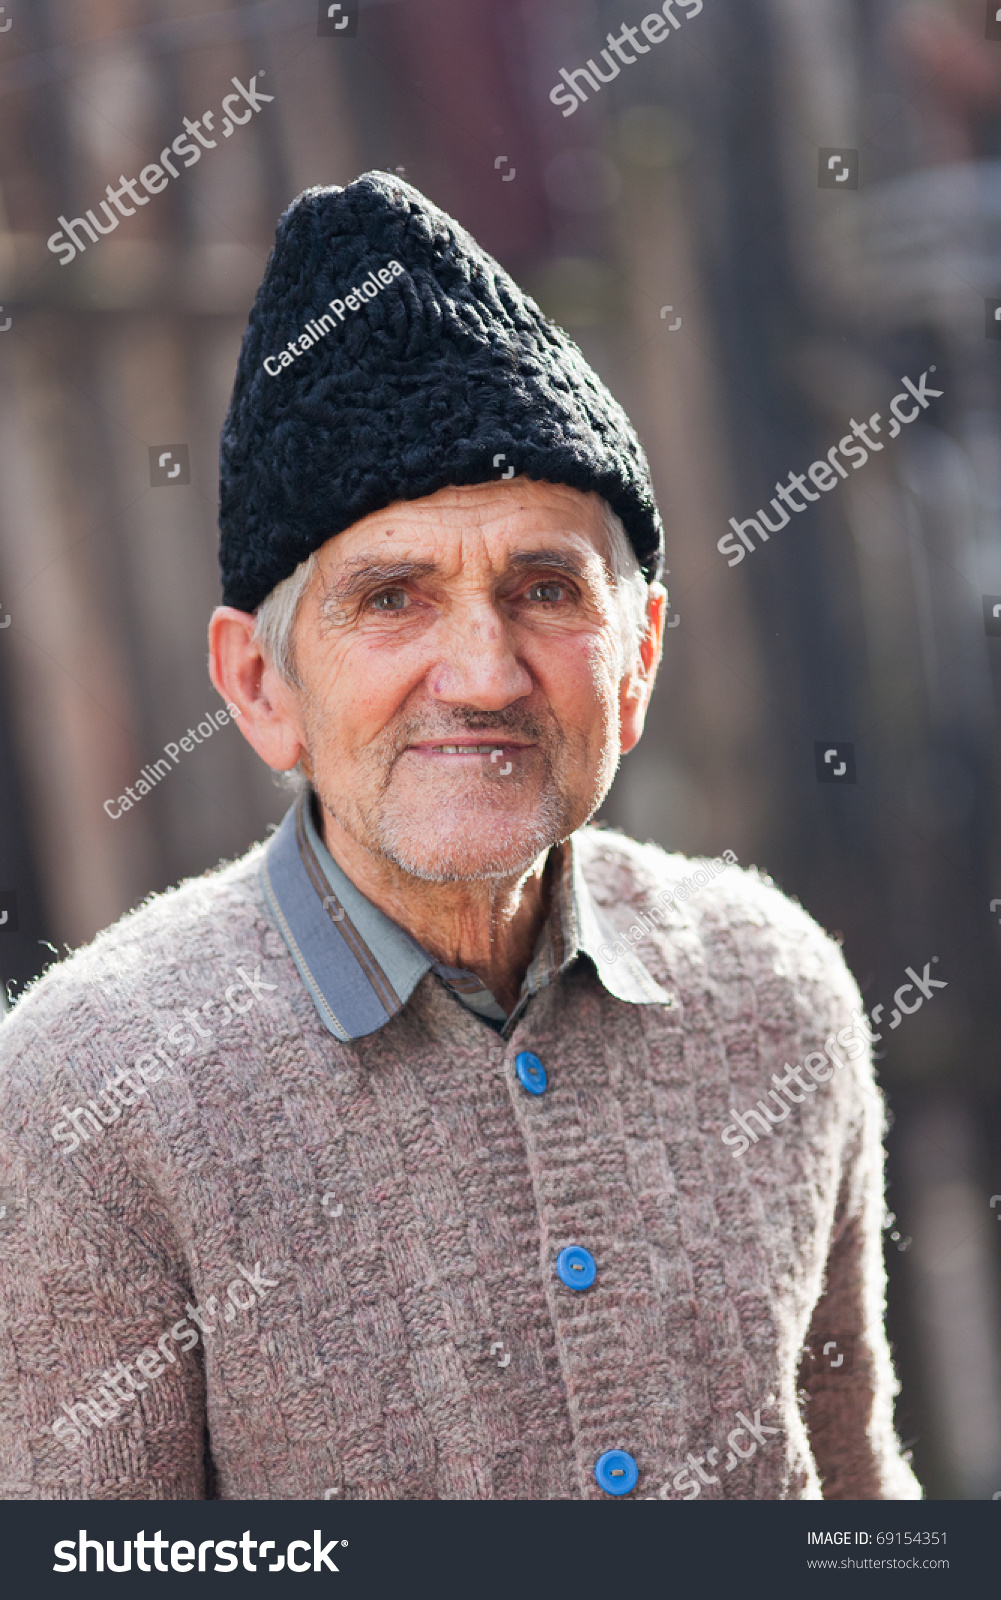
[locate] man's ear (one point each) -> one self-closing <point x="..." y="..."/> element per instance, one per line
<point x="637" y="684"/>
<point x="269" y="709"/>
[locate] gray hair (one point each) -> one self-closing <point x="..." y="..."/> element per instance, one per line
<point x="632" y="591"/>
<point x="274" y="624"/>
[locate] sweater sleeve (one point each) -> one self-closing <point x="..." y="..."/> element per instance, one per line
<point x="91" y="1279"/>
<point x="850" y="1388"/>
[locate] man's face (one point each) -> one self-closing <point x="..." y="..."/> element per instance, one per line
<point x="461" y="667"/>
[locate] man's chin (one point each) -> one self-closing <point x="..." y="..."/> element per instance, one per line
<point x="470" y="849"/>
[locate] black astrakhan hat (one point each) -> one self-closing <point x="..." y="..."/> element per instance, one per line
<point x="386" y="357"/>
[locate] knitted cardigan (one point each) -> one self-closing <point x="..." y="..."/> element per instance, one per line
<point x="365" y="1233"/>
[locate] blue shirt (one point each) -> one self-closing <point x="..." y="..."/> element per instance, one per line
<point x="361" y="968"/>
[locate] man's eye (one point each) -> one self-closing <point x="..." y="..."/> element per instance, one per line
<point x="547" y="593"/>
<point x="390" y="600"/>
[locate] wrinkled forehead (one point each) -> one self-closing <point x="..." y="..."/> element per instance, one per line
<point x="479" y="529"/>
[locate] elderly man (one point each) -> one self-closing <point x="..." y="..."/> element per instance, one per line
<point x="389" y="1161"/>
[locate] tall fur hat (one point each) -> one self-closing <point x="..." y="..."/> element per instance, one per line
<point x="386" y="357"/>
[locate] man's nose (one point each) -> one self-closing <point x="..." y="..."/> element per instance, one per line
<point x="477" y="662"/>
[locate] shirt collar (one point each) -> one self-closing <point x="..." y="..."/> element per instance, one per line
<point x="361" y="968"/>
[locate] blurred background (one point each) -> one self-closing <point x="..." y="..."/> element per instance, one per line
<point x="742" y="314"/>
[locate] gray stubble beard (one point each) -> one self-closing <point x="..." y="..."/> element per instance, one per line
<point x="550" y="823"/>
<point x="389" y="835"/>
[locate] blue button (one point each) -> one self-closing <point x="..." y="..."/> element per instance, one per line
<point x="616" y="1472"/>
<point x="531" y="1072"/>
<point x="576" y="1267"/>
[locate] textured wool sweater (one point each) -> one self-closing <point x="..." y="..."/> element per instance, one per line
<point x="293" y="1266"/>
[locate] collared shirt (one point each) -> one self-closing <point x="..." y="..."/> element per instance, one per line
<point x="361" y="968"/>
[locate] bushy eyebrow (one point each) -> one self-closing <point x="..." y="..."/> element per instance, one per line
<point x="557" y="560"/>
<point x="365" y="575"/>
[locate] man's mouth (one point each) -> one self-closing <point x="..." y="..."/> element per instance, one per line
<point x="468" y="749"/>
